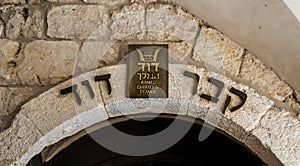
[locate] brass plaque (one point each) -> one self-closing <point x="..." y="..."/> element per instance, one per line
<point x="147" y="71"/>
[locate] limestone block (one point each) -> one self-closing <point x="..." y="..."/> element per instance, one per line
<point x="22" y="22"/>
<point x="280" y="131"/>
<point x="10" y="58"/>
<point x="63" y="1"/>
<point x="128" y="23"/>
<point x="12" y="98"/>
<point x="2" y="27"/>
<point x="48" y="62"/>
<point x="111" y="3"/>
<point x="263" y="78"/>
<point x="76" y="21"/>
<point x="16" y="140"/>
<point x="178" y="51"/>
<point x="51" y="109"/>
<point x="218" y="51"/>
<point x="18" y="2"/>
<point x="97" y="54"/>
<point x="168" y="23"/>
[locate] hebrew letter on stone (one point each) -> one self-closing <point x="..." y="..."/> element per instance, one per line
<point x="105" y="78"/>
<point x="72" y="89"/>
<point x="241" y="95"/>
<point x="196" y="79"/>
<point x="219" y="85"/>
<point x="87" y="84"/>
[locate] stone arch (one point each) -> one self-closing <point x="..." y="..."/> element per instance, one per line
<point x="52" y="116"/>
<point x="271" y="108"/>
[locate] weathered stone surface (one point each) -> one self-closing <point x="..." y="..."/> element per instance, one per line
<point x="12" y="98"/>
<point x="111" y="3"/>
<point x="128" y="23"/>
<point x="178" y="51"/>
<point x="218" y="51"/>
<point x="51" y="109"/>
<point x="263" y="78"/>
<point x="16" y="140"/>
<point x="167" y="23"/>
<point x="262" y="151"/>
<point x="279" y="131"/>
<point x="22" y="22"/>
<point x="97" y="54"/>
<point x="2" y="27"/>
<point x="10" y="58"/>
<point x="76" y="21"/>
<point x="48" y="62"/>
<point x="18" y="2"/>
<point x="63" y="1"/>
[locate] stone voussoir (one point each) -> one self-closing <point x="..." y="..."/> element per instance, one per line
<point x="263" y="78"/>
<point x="170" y="23"/>
<point x="217" y="50"/>
<point x="279" y="131"/>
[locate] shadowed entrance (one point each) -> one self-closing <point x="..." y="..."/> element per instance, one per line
<point x="217" y="149"/>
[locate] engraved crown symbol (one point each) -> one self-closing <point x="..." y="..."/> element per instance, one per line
<point x="148" y="57"/>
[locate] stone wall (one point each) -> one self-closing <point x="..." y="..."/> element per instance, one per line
<point x="46" y="42"/>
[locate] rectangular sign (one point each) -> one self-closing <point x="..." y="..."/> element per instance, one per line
<point x="147" y="71"/>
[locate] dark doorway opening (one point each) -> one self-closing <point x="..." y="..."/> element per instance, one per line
<point x="217" y="149"/>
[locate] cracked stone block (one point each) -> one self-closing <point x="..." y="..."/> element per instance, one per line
<point x="16" y="140"/>
<point x="128" y="23"/>
<point x="98" y="54"/>
<point x="77" y="21"/>
<point x="22" y="22"/>
<point x="169" y="23"/>
<point x="280" y="131"/>
<point x="264" y="79"/>
<point x="10" y="58"/>
<point x="12" y="98"/>
<point x="217" y="51"/>
<point x="48" y="62"/>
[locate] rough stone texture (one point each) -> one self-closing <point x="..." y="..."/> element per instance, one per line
<point x="279" y="131"/>
<point x="18" y="2"/>
<point x="12" y="98"/>
<point x="58" y="108"/>
<point x="22" y="22"/>
<point x="218" y="51"/>
<point x="178" y="51"/>
<point x="263" y="78"/>
<point x="76" y="21"/>
<point x="16" y="140"/>
<point x="10" y="58"/>
<point x="48" y="62"/>
<point x="63" y="1"/>
<point x="128" y="23"/>
<point x="168" y="22"/>
<point x="262" y="151"/>
<point x="97" y="54"/>
<point x="2" y="27"/>
<point x="113" y="4"/>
